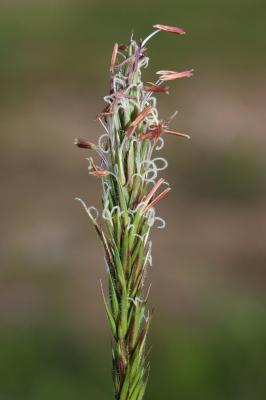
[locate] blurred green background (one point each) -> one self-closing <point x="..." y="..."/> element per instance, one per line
<point x="208" y="337"/>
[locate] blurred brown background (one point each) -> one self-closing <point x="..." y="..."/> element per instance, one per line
<point x="208" y="276"/>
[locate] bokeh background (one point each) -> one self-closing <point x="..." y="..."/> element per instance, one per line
<point x="209" y="331"/>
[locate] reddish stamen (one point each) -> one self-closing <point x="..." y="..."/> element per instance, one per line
<point x="153" y="87"/>
<point x="153" y="133"/>
<point x="153" y="191"/>
<point x="140" y="117"/>
<point x="158" y="198"/>
<point x="100" y="172"/>
<point x="170" y="132"/>
<point x="172" y="29"/>
<point x="84" y="144"/>
<point x="171" y="75"/>
<point x="113" y="58"/>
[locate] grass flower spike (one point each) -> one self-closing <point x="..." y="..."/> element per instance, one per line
<point x="128" y="167"/>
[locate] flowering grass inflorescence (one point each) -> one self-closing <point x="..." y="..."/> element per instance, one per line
<point x="128" y="169"/>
